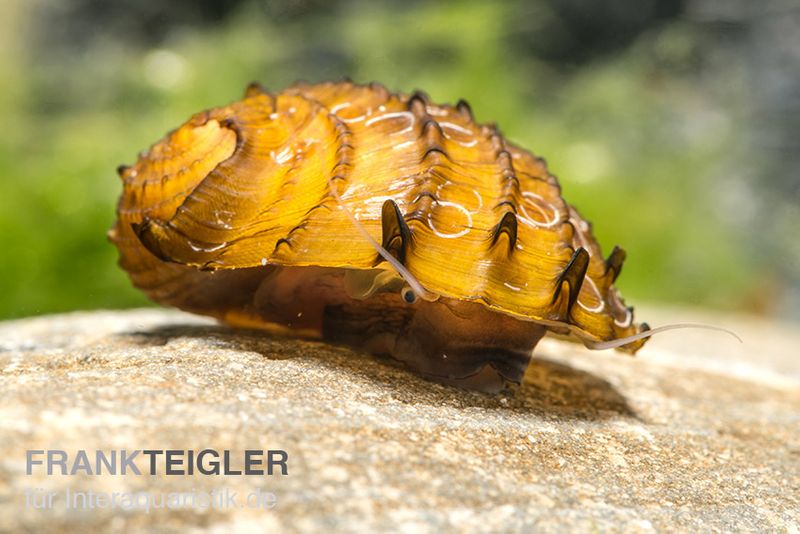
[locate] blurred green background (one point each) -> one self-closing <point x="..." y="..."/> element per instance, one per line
<point x="666" y="122"/>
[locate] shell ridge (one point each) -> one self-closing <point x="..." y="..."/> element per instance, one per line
<point x="336" y="176"/>
<point x="431" y="143"/>
<point x="510" y="191"/>
<point x="614" y="263"/>
<point x="396" y="234"/>
<point x="572" y="276"/>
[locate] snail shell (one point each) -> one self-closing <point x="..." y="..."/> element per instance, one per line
<point x="255" y="212"/>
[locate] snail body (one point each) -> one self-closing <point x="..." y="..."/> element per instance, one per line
<point x="379" y="220"/>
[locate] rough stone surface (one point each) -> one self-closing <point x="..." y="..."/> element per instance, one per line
<point x="697" y="433"/>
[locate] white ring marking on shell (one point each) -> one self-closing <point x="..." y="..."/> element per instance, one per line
<point x="628" y="319"/>
<point x="460" y="129"/>
<point x="596" y="309"/>
<point x="388" y="116"/>
<point x="455" y="235"/>
<point x="526" y="217"/>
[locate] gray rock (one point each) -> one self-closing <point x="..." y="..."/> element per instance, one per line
<point x="696" y="433"/>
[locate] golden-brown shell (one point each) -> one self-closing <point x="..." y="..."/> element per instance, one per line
<point x="249" y="184"/>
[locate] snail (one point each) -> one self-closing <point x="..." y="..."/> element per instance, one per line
<point x="373" y="219"/>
